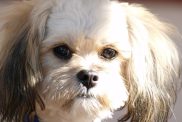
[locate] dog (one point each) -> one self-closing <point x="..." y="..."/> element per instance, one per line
<point x="80" y="60"/>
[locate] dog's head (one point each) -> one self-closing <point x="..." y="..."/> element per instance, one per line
<point x="86" y="59"/>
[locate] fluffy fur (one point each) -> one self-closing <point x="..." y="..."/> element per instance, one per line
<point x="143" y="77"/>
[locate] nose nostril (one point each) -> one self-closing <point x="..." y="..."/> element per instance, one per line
<point x="95" y="78"/>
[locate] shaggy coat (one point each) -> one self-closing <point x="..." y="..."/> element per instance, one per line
<point x="44" y="44"/>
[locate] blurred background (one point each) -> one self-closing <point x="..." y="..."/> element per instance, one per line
<point x="169" y="11"/>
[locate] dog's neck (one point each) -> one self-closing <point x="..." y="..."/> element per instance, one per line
<point x="68" y="118"/>
<point x="57" y="115"/>
<point x="58" y="119"/>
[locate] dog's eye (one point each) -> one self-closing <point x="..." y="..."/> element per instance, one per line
<point x="109" y="53"/>
<point x="63" y="52"/>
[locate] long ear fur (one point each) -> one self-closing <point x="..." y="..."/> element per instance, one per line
<point x="22" y="32"/>
<point x="154" y="67"/>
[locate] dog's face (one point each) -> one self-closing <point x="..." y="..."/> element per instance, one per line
<point x="79" y="60"/>
<point x="84" y="57"/>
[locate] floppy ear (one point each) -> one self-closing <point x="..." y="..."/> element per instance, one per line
<point x="153" y="69"/>
<point x="20" y="70"/>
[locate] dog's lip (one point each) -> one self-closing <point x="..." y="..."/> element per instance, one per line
<point x="85" y="93"/>
<point x="85" y="96"/>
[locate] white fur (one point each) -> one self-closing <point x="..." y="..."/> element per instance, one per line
<point x="85" y="26"/>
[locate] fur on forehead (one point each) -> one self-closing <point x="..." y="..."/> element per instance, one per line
<point x="98" y="22"/>
<point x="85" y="17"/>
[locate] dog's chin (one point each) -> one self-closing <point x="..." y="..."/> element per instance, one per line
<point x="83" y="108"/>
<point x="87" y="104"/>
<point x="101" y="100"/>
<point x="95" y="105"/>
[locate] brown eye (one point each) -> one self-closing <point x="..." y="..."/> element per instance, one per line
<point x="63" y="52"/>
<point x="109" y="53"/>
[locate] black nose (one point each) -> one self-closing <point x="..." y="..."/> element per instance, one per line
<point x="87" y="78"/>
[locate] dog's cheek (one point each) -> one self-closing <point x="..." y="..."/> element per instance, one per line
<point x="113" y="92"/>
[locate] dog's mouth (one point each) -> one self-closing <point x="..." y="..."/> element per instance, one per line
<point x="86" y="96"/>
<point x="84" y="93"/>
